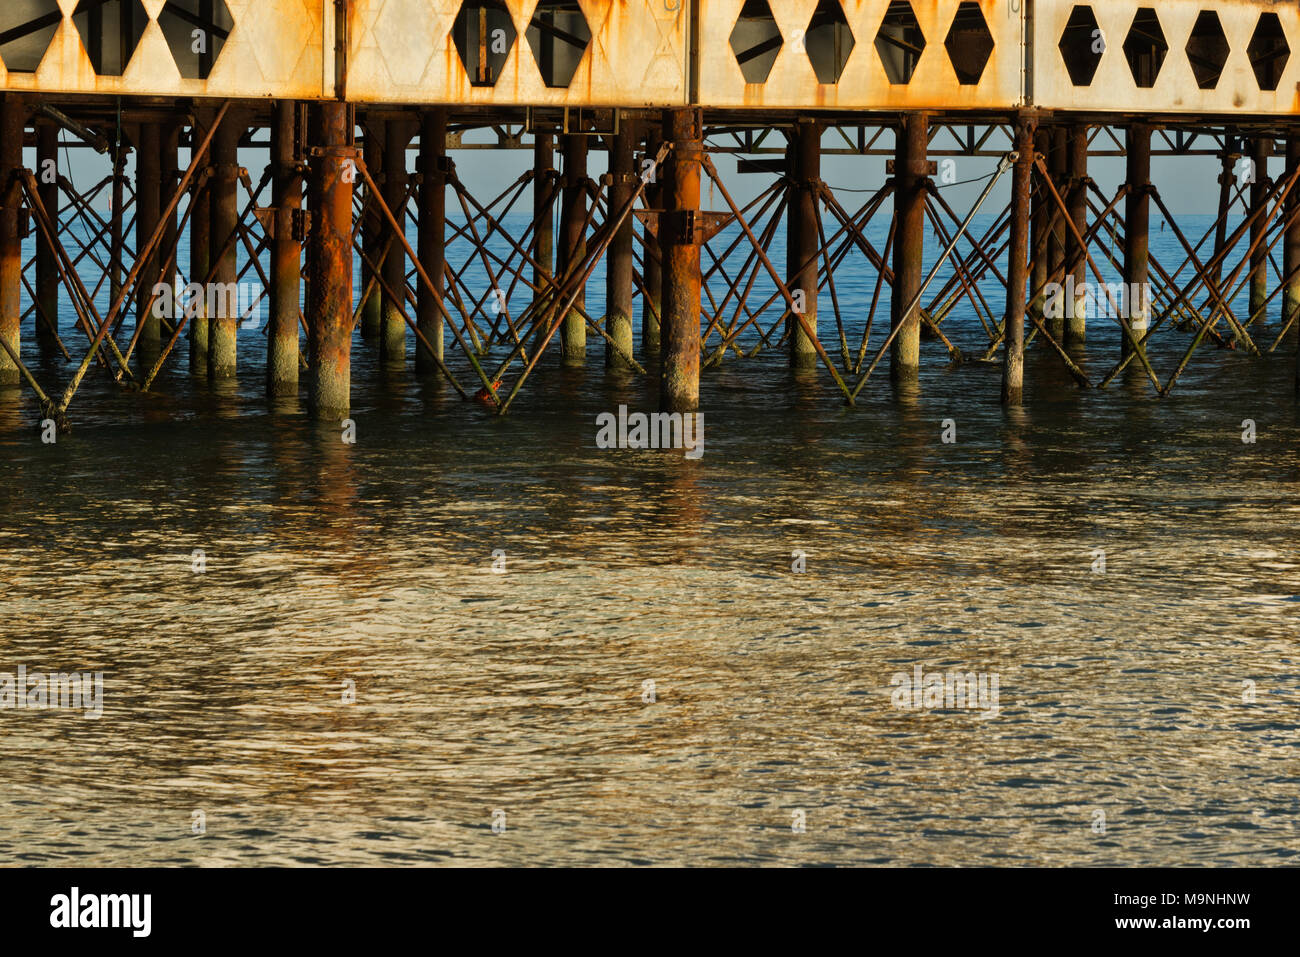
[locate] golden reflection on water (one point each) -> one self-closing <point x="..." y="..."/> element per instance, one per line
<point x="329" y="563"/>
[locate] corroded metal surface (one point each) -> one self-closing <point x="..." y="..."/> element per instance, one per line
<point x="1210" y="57"/>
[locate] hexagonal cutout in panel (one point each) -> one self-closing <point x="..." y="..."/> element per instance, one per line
<point x="483" y="34"/>
<point x="26" y="29"/>
<point x="1207" y="49"/>
<point x="196" y="30"/>
<point x="1268" y="51"/>
<point x="558" y="35"/>
<point x="110" y="31"/>
<point x="1082" y="45"/>
<point x="969" y="43"/>
<point x="756" y="40"/>
<point x="828" y="41"/>
<point x="1145" y="47"/>
<point x="899" y="42"/>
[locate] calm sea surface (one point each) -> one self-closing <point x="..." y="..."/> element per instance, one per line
<point x="332" y="565"/>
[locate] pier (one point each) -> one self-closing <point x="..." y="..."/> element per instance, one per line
<point x="358" y="106"/>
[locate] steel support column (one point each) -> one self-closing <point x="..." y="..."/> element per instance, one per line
<point x="1136" y="300"/>
<point x="200" y="247"/>
<point x="432" y="237"/>
<point x="652" y="273"/>
<point x="1076" y="305"/>
<point x="803" y="238"/>
<point x="330" y="308"/>
<point x="619" y="261"/>
<point x="1291" y="243"/>
<point x="1259" y="153"/>
<point x="223" y="298"/>
<point x="47" y="267"/>
<point x="286" y="251"/>
<point x="679" y="246"/>
<point x="392" y="344"/>
<point x="13" y="119"/>
<point x="372" y="233"/>
<point x="1055" y="305"/>
<point x="148" y="154"/>
<point x="1040" y="216"/>
<point x="1013" y="359"/>
<point x="573" y="245"/>
<point x="910" y="172"/>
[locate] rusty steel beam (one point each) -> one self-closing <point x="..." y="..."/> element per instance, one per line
<point x="1258" y="310"/>
<point x="679" y="247"/>
<point x="392" y="342"/>
<point x="148" y="203"/>
<point x="330" y="309"/>
<point x="1291" y="247"/>
<point x="803" y="233"/>
<point x="286" y="251"/>
<point x="619" y="264"/>
<point x="544" y="180"/>
<point x="224" y="263"/>
<point x="1137" y="222"/>
<point x="47" y="266"/>
<point x="432" y="238"/>
<point x="200" y="246"/>
<point x="13" y="119"/>
<point x="573" y="245"/>
<point x="652" y="272"/>
<point x="1076" y="316"/>
<point x="910" y="171"/>
<point x="1013" y="359"/>
<point x="372" y="234"/>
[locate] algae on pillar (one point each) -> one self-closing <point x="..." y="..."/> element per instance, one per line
<point x="222" y="295"/>
<point x="329" y="309"/>
<point x="573" y="245"/>
<point x="286" y="251"/>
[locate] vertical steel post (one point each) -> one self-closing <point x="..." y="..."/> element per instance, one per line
<point x="679" y="245"/>
<point x="1040" y="217"/>
<point x="1260" y="148"/>
<point x="200" y="247"/>
<point x="148" y="154"/>
<point x="47" y="267"/>
<point x="392" y="344"/>
<point x="1136" y="300"/>
<point x="372" y="231"/>
<point x="223" y="294"/>
<point x="13" y="120"/>
<point x="1013" y="359"/>
<point x="619" y="261"/>
<point x="286" y="251"/>
<point x="1291" y="243"/>
<point x="652" y="275"/>
<point x="910" y="171"/>
<point x="573" y="244"/>
<point x="803" y="238"/>
<point x="432" y="236"/>
<point x="330" y="309"/>
<point x="1055" y="304"/>
<point x="1076" y="305"/>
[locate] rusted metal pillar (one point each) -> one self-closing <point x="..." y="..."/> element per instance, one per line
<point x="13" y="119"/>
<point x="652" y="304"/>
<point x="1076" y="305"/>
<point x="223" y="295"/>
<point x="1136" y="300"/>
<point x="1227" y="177"/>
<point x="1260" y="148"/>
<point x="169" y="177"/>
<point x="573" y="244"/>
<point x="432" y="236"/>
<point x="148" y="154"/>
<point x="679" y="248"/>
<point x="392" y="344"/>
<point x="910" y="169"/>
<point x="200" y="247"/>
<point x="329" y="310"/>
<point x="1291" y="243"/>
<point x="286" y="250"/>
<point x="372" y="233"/>
<point x="803" y="159"/>
<point x="1057" y="167"/>
<point x="620" y="258"/>
<point x="47" y="268"/>
<point x="543" y="208"/>
<point x="1013" y="359"/>
<point x="1039" y="218"/>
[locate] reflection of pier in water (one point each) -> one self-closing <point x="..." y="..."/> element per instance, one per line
<point x="346" y="90"/>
